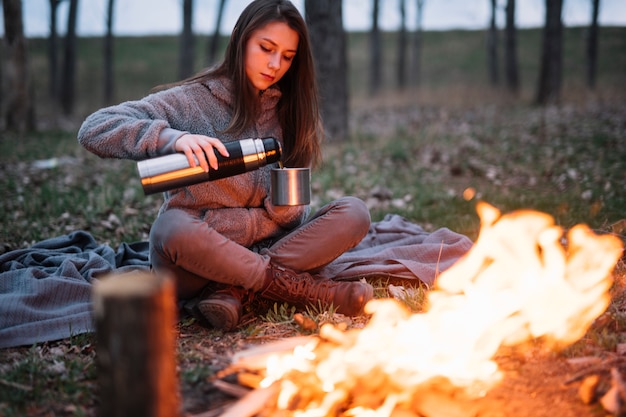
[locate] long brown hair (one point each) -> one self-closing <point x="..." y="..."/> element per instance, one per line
<point x="298" y="108"/>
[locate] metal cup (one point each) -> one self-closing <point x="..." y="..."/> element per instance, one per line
<point x="291" y="186"/>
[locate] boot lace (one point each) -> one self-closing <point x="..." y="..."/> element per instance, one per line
<point x="305" y="288"/>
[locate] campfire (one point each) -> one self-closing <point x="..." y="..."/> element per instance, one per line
<point x="524" y="279"/>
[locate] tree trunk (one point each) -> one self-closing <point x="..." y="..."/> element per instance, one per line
<point x="108" y="56"/>
<point x="53" y="52"/>
<point x="1" y="81"/>
<point x="185" y="68"/>
<point x="510" y="50"/>
<point x="376" y="51"/>
<point x="19" y="114"/>
<point x="549" y="89"/>
<point x="417" y="44"/>
<point x="68" y="80"/>
<point x="402" y="42"/>
<point x="592" y="45"/>
<point x="492" y="47"/>
<point x="215" y="39"/>
<point x="328" y="39"/>
<point x="135" y="315"/>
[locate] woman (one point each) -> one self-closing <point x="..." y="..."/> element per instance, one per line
<point x="223" y="239"/>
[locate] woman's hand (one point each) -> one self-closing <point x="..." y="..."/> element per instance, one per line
<point x="202" y="147"/>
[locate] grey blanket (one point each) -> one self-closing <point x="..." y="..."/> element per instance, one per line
<point x="398" y="249"/>
<point x="45" y="290"/>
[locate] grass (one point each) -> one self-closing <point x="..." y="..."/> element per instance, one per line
<point x="451" y="61"/>
<point x="428" y="155"/>
<point x="523" y="159"/>
<point x="56" y="187"/>
<point x="44" y="374"/>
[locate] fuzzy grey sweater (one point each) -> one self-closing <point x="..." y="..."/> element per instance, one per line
<point x="238" y="207"/>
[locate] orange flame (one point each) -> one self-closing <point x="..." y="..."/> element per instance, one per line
<point x="522" y="279"/>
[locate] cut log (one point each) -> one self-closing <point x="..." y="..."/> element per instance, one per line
<point x="252" y="403"/>
<point x="134" y="316"/>
<point x="233" y="390"/>
<point x="255" y="358"/>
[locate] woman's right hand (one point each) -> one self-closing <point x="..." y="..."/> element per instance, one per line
<point x="202" y="147"/>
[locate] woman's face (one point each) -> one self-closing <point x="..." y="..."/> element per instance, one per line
<point x="269" y="54"/>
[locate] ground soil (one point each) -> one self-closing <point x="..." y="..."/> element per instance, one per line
<point x="536" y="383"/>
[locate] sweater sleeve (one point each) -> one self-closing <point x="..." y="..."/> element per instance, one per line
<point x="136" y="129"/>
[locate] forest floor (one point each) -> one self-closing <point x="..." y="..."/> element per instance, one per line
<point x="536" y="382"/>
<point x="60" y="378"/>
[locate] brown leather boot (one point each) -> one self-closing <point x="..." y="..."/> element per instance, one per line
<point x="302" y="290"/>
<point x="221" y="309"/>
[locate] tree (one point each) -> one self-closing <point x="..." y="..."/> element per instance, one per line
<point x="402" y="42"/>
<point x="68" y="79"/>
<point x="214" y="42"/>
<point x="328" y="39"/>
<point x="417" y="44"/>
<point x="492" y="46"/>
<point x="19" y="114"/>
<point x="185" y="67"/>
<point x="510" y="50"/>
<point x="1" y="77"/>
<point x="549" y="88"/>
<point x="592" y="45"/>
<point x="53" y="52"/>
<point x="376" y="51"/>
<point x="108" y="55"/>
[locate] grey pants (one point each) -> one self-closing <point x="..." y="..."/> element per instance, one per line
<point x="185" y="248"/>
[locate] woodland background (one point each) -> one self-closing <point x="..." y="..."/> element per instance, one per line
<point x="397" y="64"/>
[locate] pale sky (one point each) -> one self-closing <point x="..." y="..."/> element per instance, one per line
<point x="140" y="17"/>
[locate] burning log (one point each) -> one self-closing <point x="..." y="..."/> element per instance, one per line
<point x="135" y="315"/>
<point x="614" y="401"/>
<point x="603" y="382"/>
<point x="523" y="279"/>
<point x="588" y="389"/>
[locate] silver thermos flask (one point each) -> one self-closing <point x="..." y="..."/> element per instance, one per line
<point x="173" y="171"/>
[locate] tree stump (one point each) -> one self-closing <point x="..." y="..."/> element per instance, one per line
<point x="134" y="316"/>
